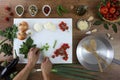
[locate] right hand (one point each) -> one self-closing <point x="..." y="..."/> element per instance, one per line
<point x="33" y="56"/>
<point x="46" y="67"/>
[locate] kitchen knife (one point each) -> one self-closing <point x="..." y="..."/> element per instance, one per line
<point x="116" y="61"/>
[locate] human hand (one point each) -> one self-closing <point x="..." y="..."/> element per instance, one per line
<point x="33" y="56"/>
<point x="46" y="67"/>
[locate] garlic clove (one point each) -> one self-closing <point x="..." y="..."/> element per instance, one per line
<point x="108" y="35"/>
<point x="94" y="30"/>
<point x="88" y="32"/>
<point x="90" y="18"/>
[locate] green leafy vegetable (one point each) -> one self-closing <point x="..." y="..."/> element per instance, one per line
<point x="45" y="47"/>
<point x="98" y="22"/>
<point x="106" y="26"/>
<point x="118" y="23"/>
<point x="6" y="48"/>
<point x="10" y="32"/>
<point x="26" y="46"/>
<point x="114" y="27"/>
<point x="12" y="75"/>
<point x="104" y="2"/>
<point x="55" y="43"/>
<point x="61" y="9"/>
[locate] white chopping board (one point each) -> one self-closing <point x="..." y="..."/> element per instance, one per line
<point x="46" y="36"/>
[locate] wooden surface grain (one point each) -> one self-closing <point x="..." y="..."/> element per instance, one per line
<point x="111" y="73"/>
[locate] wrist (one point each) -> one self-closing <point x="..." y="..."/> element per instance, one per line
<point x="29" y="66"/>
<point x="46" y="76"/>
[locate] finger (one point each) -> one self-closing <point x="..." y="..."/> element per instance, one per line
<point x="48" y="60"/>
<point x="44" y="60"/>
<point x="35" y="50"/>
<point x="38" y="52"/>
<point x="31" y="49"/>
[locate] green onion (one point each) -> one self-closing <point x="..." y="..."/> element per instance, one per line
<point x="71" y="76"/>
<point x="74" y="71"/>
<point x="55" y="43"/>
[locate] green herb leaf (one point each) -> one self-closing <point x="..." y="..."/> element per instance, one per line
<point x="104" y="2"/>
<point x="59" y="11"/>
<point x="106" y="26"/>
<point x="63" y="9"/>
<point x="26" y="46"/>
<point x="114" y="27"/>
<point x="10" y="32"/>
<point x="98" y="22"/>
<point x="118" y="23"/>
<point x="98" y="6"/>
<point x="6" y="48"/>
<point x="99" y="15"/>
<point x="45" y="47"/>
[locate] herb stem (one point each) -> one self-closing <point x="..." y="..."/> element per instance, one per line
<point x="55" y="43"/>
<point x="3" y="41"/>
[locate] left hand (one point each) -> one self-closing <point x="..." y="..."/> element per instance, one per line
<point x="33" y="56"/>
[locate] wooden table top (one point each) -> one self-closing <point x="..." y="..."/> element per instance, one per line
<point x="111" y="73"/>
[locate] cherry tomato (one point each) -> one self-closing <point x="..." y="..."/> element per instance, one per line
<point x="103" y="10"/>
<point x="108" y="4"/>
<point x="112" y="10"/>
<point x="62" y="52"/>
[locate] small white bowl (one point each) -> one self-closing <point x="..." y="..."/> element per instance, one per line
<point x="88" y="22"/>
<point x="48" y="12"/>
<point x="30" y="10"/>
<point x="17" y="12"/>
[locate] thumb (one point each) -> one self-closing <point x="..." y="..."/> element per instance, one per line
<point x="45" y="59"/>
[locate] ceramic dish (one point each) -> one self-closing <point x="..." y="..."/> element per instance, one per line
<point x="19" y="9"/>
<point x="33" y="10"/>
<point x="46" y="9"/>
<point x="87" y="22"/>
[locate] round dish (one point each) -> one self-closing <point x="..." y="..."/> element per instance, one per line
<point x="43" y="10"/>
<point x="18" y="12"/>
<point x="33" y="10"/>
<point x="89" y="25"/>
<point x="88" y="60"/>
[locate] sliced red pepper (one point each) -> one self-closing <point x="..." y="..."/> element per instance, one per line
<point x="62" y="52"/>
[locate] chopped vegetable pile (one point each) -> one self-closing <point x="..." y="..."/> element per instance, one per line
<point x="62" y="52"/>
<point x="45" y="47"/>
<point x="63" y="26"/>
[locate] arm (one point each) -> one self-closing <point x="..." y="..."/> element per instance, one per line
<point x="46" y="67"/>
<point x="33" y="57"/>
<point x="24" y="73"/>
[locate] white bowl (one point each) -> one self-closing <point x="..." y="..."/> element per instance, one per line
<point x="17" y="12"/>
<point x="44" y="12"/>
<point x="34" y="12"/>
